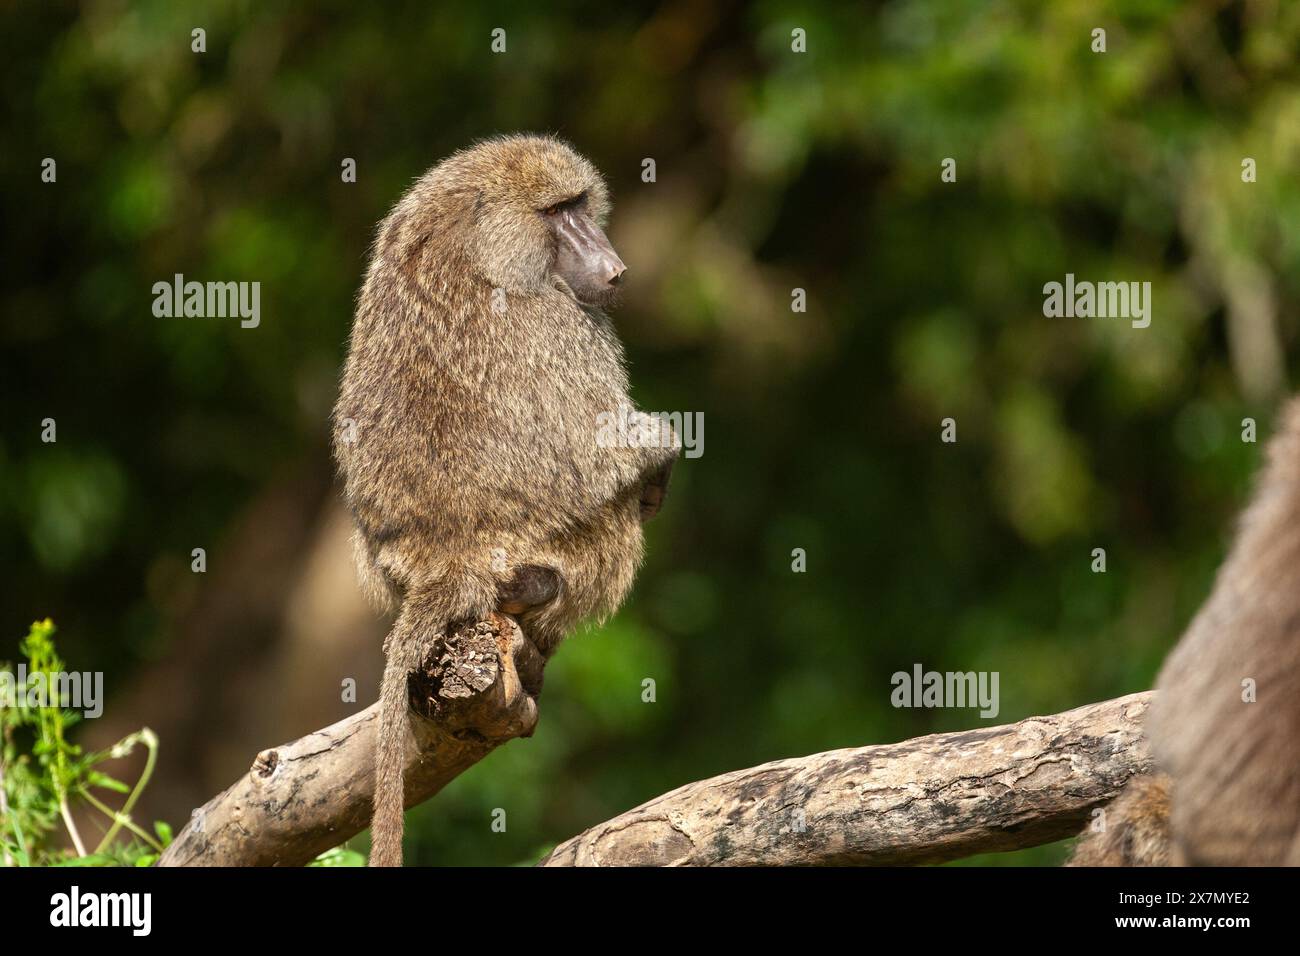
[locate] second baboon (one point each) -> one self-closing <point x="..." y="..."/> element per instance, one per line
<point x="481" y="375"/>
<point x="1225" y="724"/>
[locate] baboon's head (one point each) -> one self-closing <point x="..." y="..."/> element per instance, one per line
<point x="538" y="208"/>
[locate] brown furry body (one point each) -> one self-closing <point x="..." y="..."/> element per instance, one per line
<point x="475" y="381"/>
<point x="1233" y="766"/>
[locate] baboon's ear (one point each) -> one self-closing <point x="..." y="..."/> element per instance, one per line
<point x="531" y="586"/>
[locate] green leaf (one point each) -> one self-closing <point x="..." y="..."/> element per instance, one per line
<point x="164" y="832"/>
<point x="97" y="779"/>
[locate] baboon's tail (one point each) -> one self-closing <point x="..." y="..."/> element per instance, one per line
<point x="427" y="611"/>
<point x="390" y="756"/>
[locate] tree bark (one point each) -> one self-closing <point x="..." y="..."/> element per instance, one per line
<point x="926" y="800"/>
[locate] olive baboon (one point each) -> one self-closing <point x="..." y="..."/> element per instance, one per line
<point x="480" y="367"/>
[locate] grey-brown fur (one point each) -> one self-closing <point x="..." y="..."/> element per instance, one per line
<point x="475" y="450"/>
<point x="1135" y="831"/>
<point x="1234" y="767"/>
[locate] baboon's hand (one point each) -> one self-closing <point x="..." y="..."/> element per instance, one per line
<point x="531" y="586"/>
<point x="655" y="489"/>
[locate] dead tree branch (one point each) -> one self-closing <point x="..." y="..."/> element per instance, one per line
<point x="476" y="692"/>
<point x="926" y="800"/>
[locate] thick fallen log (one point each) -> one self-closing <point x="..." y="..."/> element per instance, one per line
<point x="478" y="691"/>
<point x="925" y="800"/>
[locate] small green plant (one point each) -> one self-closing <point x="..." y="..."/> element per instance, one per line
<point x="40" y="786"/>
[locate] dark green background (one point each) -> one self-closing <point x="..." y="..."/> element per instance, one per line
<point x="775" y="170"/>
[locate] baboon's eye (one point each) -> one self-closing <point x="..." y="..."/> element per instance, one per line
<point x="551" y="210"/>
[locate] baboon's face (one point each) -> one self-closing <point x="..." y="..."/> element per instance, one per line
<point x="584" y="259"/>
<point x="539" y="215"/>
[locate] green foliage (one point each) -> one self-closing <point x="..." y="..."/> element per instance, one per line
<point x="42" y="787"/>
